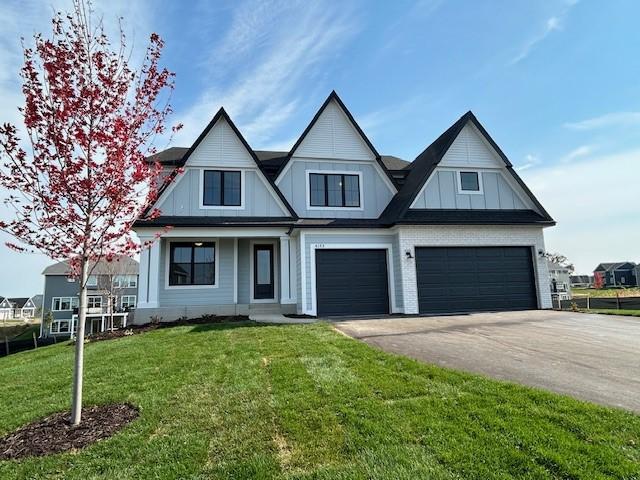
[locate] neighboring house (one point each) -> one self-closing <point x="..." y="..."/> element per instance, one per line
<point x="116" y="280"/>
<point x="581" y="281"/>
<point x="20" y="307"/>
<point x="617" y="274"/>
<point x="559" y="281"/>
<point x="6" y="309"/>
<point x="334" y="228"/>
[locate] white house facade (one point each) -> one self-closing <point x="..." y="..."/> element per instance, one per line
<point x="333" y="228"/>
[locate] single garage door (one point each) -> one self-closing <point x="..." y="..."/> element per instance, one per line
<point x="351" y="282"/>
<point x="461" y="279"/>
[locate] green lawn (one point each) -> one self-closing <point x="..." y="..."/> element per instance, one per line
<point x="302" y="401"/>
<point x="606" y="292"/>
<point x="611" y="311"/>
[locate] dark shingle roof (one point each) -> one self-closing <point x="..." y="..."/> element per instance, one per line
<point x="169" y="157"/>
<point x="18" y="302"/>
<point x="609" y="266"/>
<point x="473" y="217"/>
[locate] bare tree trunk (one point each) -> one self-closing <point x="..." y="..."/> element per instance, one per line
<point x="76" y="395"/>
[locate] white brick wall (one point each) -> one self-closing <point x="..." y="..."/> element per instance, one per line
<point x="469" y="236"/>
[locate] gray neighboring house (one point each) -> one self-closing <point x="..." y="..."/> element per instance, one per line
<point x="117" y="280"/>
<point x="617" y="274"/>
<point x="559" y="281"/>
<point x="333" y="228"/>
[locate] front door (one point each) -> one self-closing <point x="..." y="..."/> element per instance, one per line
<point x="263" y="272"/>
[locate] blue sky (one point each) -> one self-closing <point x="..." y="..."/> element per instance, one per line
<point x="556" y="83"/>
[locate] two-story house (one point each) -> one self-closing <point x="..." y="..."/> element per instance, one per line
<point x="617" y="274"/>
<point x="112" y="295"/>
<point x="333" y="228"/>
<point x="23" y="308"/>
<point x="559" y="281"/>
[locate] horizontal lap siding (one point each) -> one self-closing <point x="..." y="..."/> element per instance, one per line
<point x="222" y="295"/>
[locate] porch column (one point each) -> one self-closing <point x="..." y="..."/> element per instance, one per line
<point x="154" y="275"/>
<point x="285" y="271"/>
<point x="149" y="275"/>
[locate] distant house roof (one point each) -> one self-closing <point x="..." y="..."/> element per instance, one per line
<point x="580" y="279"/>
<point x="611" y="266"/>
<point x="18" y="302"/>
<point x="127" y="266"/>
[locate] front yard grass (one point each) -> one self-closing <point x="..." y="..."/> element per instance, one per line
<point x="303" y="401"/>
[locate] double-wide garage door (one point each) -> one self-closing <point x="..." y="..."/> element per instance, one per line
<point x="352" y="282"/>
<point x="472" y="279"/>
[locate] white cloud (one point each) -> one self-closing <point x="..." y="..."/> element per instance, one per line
<point x="581" y="151"/>
<point x="530" y="161"/>
<point x="289" y="42"/>
<point x="597" y="215"/>
<point x="552" y="24"/>
<point x="614" y="119"/>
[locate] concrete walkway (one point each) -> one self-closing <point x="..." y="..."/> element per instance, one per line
<point x="589" y="356"/>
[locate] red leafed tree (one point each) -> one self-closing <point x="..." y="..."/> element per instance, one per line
<point x="79" y="179"/>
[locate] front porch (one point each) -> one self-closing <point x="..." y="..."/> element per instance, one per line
<point x="204" y="271"/>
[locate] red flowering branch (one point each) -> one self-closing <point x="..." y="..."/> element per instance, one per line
<point x="90" y="121"/>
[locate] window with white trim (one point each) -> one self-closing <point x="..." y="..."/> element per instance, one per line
<point x="94" y="302"/>
<point x="60" y="326"/>
<point x="128" y="301"/>
<point x="222" y="188"/>
<point x="92" y="281"/>
<point x="64" y="304"/>
<point x="334" y="190"/>
<point x="125" y="281"/>
<point x="469" y="181"/>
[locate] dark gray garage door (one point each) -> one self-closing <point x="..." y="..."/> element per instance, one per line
<point x="351" y="282"/>
<point x="457" y="279"/>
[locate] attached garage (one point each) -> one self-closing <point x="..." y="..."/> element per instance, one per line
<point x="352" y="282"/>
<point x="474" y="279"/>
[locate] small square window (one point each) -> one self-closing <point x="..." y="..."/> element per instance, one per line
<point x="469" y="182"/>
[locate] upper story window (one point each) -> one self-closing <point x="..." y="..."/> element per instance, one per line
<point x="222" y="188"/>
<point x="334" y="190"/>
<point x="469" y="182"/>
<point x="94" y="302"/>
<point x="92" y="281"/>
<point x="64" y="304"/>
<point x="125" y="281"/>
<point x="192" y="263"/>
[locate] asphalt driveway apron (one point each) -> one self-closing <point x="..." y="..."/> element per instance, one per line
<point x="589" y="356"/>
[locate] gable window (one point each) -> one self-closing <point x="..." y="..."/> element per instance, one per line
<point x="469" y="182"/>
<point x="334" y="190"/>
<point x="192" y="264"/>
<point x="222" y="188"/>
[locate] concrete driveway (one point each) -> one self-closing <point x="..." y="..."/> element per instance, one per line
<point x="591" y="357"/>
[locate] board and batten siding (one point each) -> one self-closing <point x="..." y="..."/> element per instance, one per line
<point x="441" y="191"/>
<point x="375" y="193"/>
<point x="193" y="296"/>
<point x="356" y="240"/>
<point x="184" y="198"/>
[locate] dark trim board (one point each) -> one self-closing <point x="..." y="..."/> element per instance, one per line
<point x="475" y="279"/>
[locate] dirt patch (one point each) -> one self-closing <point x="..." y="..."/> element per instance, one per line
<point x="136" y="329"/>
<point x="55" y="434"/>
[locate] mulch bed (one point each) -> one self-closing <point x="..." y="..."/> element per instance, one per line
<point x="147" y="327"/>
<point x="55" y="434"/>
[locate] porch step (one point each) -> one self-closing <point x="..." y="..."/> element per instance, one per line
<point x="265" y="308"/>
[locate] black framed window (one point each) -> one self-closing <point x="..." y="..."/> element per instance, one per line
<point x="222" y="188"/>
<point x="469" y="182"/>
<point x="192" y="263"/>
<point x="334" y="190"/>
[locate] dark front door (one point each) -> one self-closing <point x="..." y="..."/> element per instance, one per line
<point x="263" y="272"/>
<point x="352" y="282"/>
<point x="474" y="279"/>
